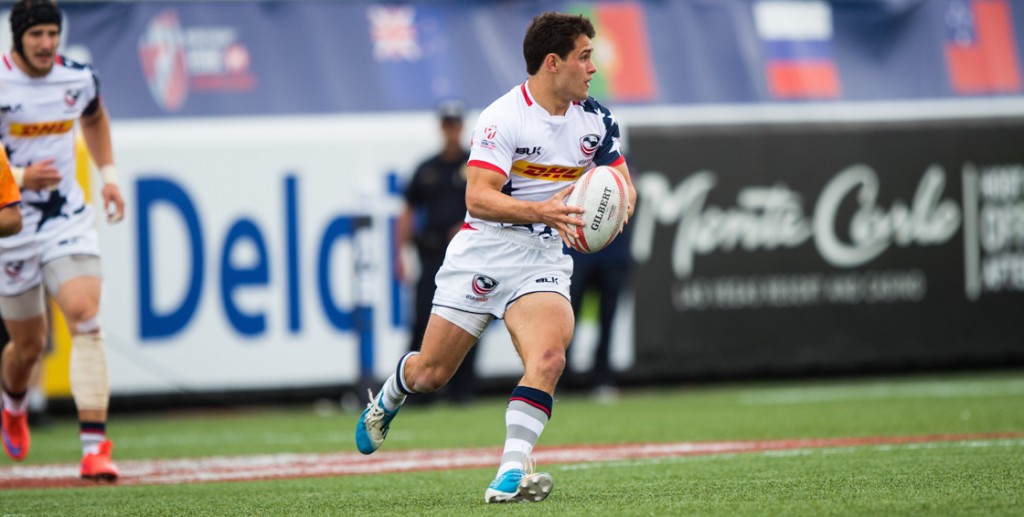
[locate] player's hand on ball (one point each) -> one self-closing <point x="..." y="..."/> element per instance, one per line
<point x="564" y="216"/>
<point x="603" y="197"/>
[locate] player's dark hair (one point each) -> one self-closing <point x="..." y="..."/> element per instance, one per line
<point x="553" y="33"/>
<point x="29" y="13"/>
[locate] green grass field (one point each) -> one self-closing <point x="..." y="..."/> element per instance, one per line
<point x="960" y="477"/>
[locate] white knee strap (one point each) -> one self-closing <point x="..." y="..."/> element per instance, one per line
<point x="89" y="385"/>
<point x="89" y="326"/>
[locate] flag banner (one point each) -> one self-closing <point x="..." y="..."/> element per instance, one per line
<point x="186" y="59"/>
<point x="621" y="52"/>
<point x="797" y="40"/>
<point x="981" y="49"/>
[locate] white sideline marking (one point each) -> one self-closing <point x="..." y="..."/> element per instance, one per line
<point x="275" y="466"/>
<point x="802" y="453"/>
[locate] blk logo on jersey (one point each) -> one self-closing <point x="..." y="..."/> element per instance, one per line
<point x="547" y="280"/>
<point x="490" y="132"/>
<point x="589" y="143"/>
<point x="528" y="150"/>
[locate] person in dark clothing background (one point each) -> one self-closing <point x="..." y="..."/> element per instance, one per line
<point x="435" y="207"/>
<point x="605" y="274"/>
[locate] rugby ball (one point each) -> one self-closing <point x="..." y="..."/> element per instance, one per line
<point x="603" y="194"/>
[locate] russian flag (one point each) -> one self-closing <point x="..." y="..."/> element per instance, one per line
<point x="796" y="36"/>
<point x="981" y="51"/>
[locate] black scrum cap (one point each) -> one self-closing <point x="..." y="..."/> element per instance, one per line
<point x="28" y="13"/>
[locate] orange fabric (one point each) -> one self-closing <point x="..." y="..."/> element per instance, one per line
<point x="9" y="191"/>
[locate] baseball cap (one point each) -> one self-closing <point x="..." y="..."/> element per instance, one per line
<point x="451" y="109"/>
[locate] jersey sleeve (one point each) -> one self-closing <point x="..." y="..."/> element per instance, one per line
<point x="609" y="152"/>
<point x="493" y="143"/>
<point x="10" y="194"/>
<point x="94" y="104"/>
<point x="92" y="91"/>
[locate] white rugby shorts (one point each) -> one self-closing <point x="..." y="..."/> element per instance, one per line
<point x="487" y="269"/>
<point x="23" y="264"/>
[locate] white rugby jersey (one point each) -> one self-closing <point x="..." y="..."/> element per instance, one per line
<point x="541" y="154"/>
<point x="37" y="121"/>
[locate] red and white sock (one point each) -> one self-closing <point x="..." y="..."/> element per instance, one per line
<point x="92" y="435"/>
<point x="15" y="405"/>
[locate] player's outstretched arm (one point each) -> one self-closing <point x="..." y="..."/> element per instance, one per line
<point x="96" y="130"/>
<point x="113" y="203"/>
<point x="485" y="200"/>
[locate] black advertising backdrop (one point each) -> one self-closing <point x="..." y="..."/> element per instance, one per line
<point x="794" y="249"/>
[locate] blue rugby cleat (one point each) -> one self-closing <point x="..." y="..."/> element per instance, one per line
<point x="373" y="424"/>
<point x="517" y="485"/>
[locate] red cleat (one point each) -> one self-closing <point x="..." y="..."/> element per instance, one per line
<point x="15" y="434"/>
<point x="99" y="466"/>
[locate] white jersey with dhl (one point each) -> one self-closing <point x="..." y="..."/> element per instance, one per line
<point x="37" y="122"/>
<point x="541" y="154"/>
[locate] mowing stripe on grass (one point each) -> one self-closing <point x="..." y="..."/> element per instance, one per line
<point x="883" y="391"/>
<point x="277" y="466"/>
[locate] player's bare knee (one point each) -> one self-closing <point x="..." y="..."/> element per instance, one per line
<point x="428" y="380"/>
<point x="29" y="350"/>
<point x="551" y="364"/>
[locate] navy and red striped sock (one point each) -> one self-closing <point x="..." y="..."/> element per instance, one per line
<point x="92" y="435"/>
<point x="529" y="410"/>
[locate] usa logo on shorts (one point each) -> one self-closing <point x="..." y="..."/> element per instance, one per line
<point x="13" y="268"/>
<point x="483" y="284"/>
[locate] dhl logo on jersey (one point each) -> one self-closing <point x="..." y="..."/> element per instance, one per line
<point x="547" y="172"/>
<point x="57" y="127"/>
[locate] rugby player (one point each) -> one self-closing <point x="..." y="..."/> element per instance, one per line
<point x="43" y="96"/>
<point x="507" y="262"/>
